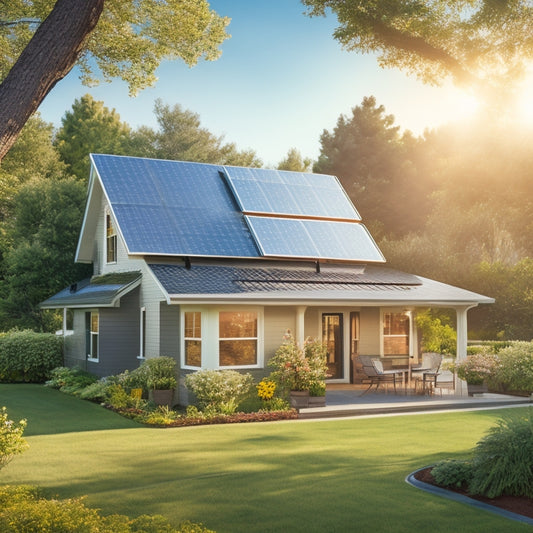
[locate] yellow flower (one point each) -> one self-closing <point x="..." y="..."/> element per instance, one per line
<point x="265" y="389"/>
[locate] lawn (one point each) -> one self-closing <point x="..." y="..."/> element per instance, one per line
<point x="332" y="476"/>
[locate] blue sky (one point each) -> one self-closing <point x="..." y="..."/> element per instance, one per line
<point x="281" y="80"/>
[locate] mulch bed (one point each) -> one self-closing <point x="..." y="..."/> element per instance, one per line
<point x="516" y="504"/>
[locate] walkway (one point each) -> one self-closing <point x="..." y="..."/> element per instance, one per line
<point x="348" y="401"/>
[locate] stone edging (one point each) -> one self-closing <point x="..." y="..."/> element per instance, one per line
<point x="439" y="491"/>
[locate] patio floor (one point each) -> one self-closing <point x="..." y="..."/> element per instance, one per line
<point x="348" y="400"/>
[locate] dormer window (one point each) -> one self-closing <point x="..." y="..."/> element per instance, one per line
<point x="111" y="240"/>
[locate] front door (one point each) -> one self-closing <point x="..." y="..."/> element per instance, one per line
<point x="332" y="337"/>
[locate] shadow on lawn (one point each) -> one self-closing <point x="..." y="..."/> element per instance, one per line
<point x="50" y="412"/>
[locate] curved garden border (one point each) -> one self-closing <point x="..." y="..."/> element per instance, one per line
<point x="439" y="491"/>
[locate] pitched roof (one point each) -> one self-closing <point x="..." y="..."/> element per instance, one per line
<point x="175" y="208"/>
<point x="286" y="282"/>
<point x="98" y="291"/>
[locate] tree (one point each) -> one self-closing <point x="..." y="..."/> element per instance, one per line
<point x="294" y="162"/>
<point x="181" y="137"/>
<point x="366" y="152"/>
<point x="46" y="224"/>
<point x="47" y="38"/>
<point x="476" y="42"/>
<point x="90" y="127"/>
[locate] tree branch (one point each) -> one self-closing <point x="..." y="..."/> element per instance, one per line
<point x="410" y="43"/>
<point x="48" y="57"/>
<point x="21" y="21"/>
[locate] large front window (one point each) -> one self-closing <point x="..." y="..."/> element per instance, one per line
<point x="237" y="338"/>
<point x="395" y="334"/>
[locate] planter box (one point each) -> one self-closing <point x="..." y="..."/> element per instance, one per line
<point x="163" y="397"/>
<point x="299" y="399"/>
<point x="478" y="388"/>
<point x="317" y="401"/>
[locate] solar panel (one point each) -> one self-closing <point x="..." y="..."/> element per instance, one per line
<point x="315" y="239"/>
<point x="260" y="190"/>
<point x="174" y="208"/>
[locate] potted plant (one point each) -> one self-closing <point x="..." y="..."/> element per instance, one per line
<point x="297" y="369"/>
<point x="476" y="370"/>
<point x="161" y="379"/>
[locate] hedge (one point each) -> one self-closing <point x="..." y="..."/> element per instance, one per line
<point x="26" y="356"/>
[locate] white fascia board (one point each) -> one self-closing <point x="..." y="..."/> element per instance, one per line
<point x="280" y="299"/>
<point x="86" y="213"/>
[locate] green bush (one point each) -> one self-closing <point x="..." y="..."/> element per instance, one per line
<point x="70" y="380"/>
<point x="503" y="459"/>
<point x="25" y="510"/>
<point x="220" y="391"/>
<point x="26" y="356"/>
<point x="452" y="473"/>
<point x="11" y="441"/>
<point x="96" y="392"/>
<point x="515" y="370"/>
<point x="160" y="373"/>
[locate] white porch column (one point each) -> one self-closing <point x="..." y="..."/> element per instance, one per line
<point x="462" y="341"/>
<point x="300" y="325"/>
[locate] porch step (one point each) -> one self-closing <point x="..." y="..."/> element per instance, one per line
<point x="368" y="408"/>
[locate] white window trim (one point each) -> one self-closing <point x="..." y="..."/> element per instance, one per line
<point x="409" y="315"/>
<point x="203" y="326"/>
<point x="91" y="333"/>
<point x="211" y="337"/>
<point x="142" y="333"/>
<point x="107" y="212"/>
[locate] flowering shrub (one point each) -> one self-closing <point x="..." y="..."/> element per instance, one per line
<point x="515" y="369"/>
<point x="24" y="508"/>
<point x="219" y="390"/>
<point x="477" y="368"/>
<point x="11" y="441"/>
<point x="297" y="368"/>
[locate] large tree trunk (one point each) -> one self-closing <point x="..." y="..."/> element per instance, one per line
<point x="48" y="57"/>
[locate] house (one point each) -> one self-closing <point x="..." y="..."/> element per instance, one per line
<point x="214" y="265"/>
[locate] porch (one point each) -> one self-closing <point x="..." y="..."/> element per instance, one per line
<point x="347" y="400"/>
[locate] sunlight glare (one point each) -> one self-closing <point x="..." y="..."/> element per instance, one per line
<point x="524" y="100"/>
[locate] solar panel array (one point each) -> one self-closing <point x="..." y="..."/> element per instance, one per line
<point x="193" y="209"/>
<point x="313" y="239"/>
<point x="260" y="190"/>
<point x="174" y="208"/>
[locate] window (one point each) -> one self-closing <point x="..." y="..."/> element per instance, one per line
<point x="111" y="240"/>
<point x="193" y="338"/>
<point x="237" y="338"/>
<point x="92" y="320"/>
<point x="142" y="334"/>
<point x="395" y="334"/>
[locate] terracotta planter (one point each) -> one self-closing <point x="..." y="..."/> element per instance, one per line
<point x="299" y="399"/>
<point x="478" y="388"/>
<point x="163" y="397"/>
<point x="317" y="401"/>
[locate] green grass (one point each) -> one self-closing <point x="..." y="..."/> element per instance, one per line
<point x="331" y="476"/>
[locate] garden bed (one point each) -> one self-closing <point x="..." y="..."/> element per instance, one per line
<point x="520" y="505"/>
<point x="187" y="420"/>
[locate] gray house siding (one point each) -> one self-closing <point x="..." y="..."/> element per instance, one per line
<point x="118" y="337"/>
<point x="169" y="332"/>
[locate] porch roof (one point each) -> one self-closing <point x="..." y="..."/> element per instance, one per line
<point x="98" y="291"/>
<point x="272" y="283"/>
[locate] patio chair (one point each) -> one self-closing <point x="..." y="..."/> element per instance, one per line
<point x="378" y="375"/>
<point x="427" y="371"/>
<point x="444" y="380"/>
